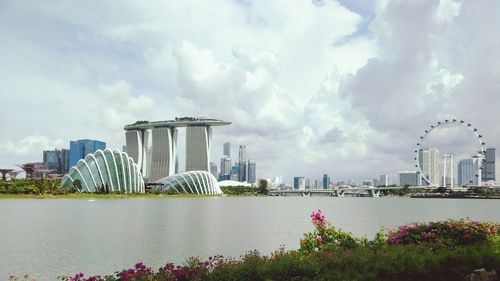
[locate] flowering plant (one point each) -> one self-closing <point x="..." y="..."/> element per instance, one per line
<point x="444" y="233"/>
<point x="193" y="269"/>
<point x="325" y="236"/>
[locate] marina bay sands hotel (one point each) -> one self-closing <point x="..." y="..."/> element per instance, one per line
<point x="152" y="145"/>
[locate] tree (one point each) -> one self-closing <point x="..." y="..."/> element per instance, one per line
<point x="77" y="184"/>
<point x="263" y="186"/>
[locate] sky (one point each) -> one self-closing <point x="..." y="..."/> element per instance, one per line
<point x="311" y="87"/>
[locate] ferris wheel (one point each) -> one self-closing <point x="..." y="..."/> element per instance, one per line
<point x="443" y="146"/>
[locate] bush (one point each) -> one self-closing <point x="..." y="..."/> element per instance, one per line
<point x="238" y="190"/>
<point x="32" y="186"/>
<point x="325" y="236"/>
<point x="331" y="254"/>
<point x="444" y="233"/>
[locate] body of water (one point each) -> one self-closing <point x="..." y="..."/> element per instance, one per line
<point x="50" y="237"/>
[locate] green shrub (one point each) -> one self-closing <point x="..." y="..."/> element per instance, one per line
<point x="444" y="233"/>
<point x="331" y="254"/>
<point x="325" y="236"/>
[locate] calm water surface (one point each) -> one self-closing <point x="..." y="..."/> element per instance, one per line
<point x="63" y="236"/>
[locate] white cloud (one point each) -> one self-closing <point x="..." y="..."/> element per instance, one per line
<point x="310" y="88"/>
<point x="27" y="149"/>
<point x="120" y="107"/>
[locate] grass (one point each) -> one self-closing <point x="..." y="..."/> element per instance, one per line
<point x="101" y="196"/>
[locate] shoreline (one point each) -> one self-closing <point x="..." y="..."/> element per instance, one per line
<point x="105" y="196"/>
<point x="438" y="196"/>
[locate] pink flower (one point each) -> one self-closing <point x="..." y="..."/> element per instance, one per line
<point x="318" y="219"/>
<point x="319" y="238"/>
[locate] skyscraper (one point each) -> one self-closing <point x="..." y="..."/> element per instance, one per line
<point x="410" y="178"/>
<point x="137" y="141"/>
<point x="384" y="180"/>
<point x="213" y="169"/>
<point x="299" y="183"/>
<point x="488" y="171"/>
<point x="225" y="168"/>
<point x="198" y="142"/>
<point x="429" y="163"/>
<point x="156" y="156"/>
<point x="467" y="172"/>
<point x="177" y="163"/>
<point x="81" y="148"/>
<point x="227" y="149"/>
<point x="57" y="160"/>
<point x="242" y="157"/>
<point x="163" y="150"/>
<point x="242" y="153"/>
<point x="326" y="181"/>
<point x="235" y="172"/>
<point x="251" y="171"/>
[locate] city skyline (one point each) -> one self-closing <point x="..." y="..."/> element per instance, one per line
<point x="333" y="104"/>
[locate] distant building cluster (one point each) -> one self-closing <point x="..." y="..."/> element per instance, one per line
<point x="243" y="170"/>
<point x="57" y="162"/>
<point x="439" y="170"/>
<point x="152" y="148"/>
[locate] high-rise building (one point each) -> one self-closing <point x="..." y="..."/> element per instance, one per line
<point x="136" y="143"/>
<point x="468" y="172"/>
<point x="299" y="183"/>
<point x="384" y="180"/>
<point x="225" y="169"/>
<point x="242" y="153"/>
<point x="367" y="182"/>
<point x="81" y="148"/>
<point x="177" y="163"/>
<point x="410" y="178"/>
<point x="57" y="160"/>
<point x="198" y="142"/>
<point x="213" y="169"/>
<point x="235" y="172"/>
<point x="251" y="169"/>
<point x="326" y="181"/>
<point x="242" y="163"/>
<point x="157" y="157"/>
<point x="488" y="171"/>
<point x="429" y="163"/>
<point x="161" y="162"/>
<point x="225" y="166"/>
<point x="227" y="149"/>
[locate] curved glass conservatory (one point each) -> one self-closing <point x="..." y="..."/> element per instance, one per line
<point x="192" y="182"/>
<point x="105" y="170"/>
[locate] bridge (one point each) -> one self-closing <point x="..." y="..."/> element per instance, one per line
<point x="336" y="192"/>
<point x="363" y="189"/>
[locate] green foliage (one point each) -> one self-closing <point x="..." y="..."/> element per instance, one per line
<point x="238" y="190"/>
<point x="77" y="184"/>
<point x="262" y="186"/>
<point x="33" y="186"/>
<point x="447" y="233"/>
<point x="363" y="263"/>
<point x="331" y="254"/>
<point x="484" y="191"/>
<point x="325" y="236"/>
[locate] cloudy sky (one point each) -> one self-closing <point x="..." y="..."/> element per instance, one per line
<point x="339" y="87"/>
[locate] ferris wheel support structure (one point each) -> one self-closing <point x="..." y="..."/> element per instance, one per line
<point x="480" y="152"/>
